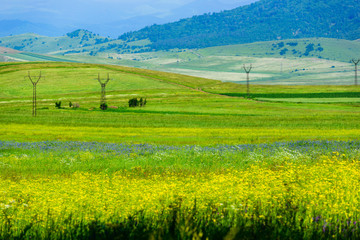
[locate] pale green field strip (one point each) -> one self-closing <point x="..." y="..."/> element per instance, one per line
<point x="171" y="136"/>
<point x="312" y="100"/>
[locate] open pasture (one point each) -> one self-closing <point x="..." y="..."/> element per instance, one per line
<point x="77" y="190"/>
<point x="198" y="161"/>
<point x="180" y="110"/>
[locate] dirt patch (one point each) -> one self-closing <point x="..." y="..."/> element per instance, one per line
<point x="7" y="50"/>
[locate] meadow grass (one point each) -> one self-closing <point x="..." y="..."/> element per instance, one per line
<point x="198" y="161"/>
<point x="177" y="111"/>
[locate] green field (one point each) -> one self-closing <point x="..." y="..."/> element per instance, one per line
<point x="178" y="112"/>
<point x="312" y="61"/>
<point x="199" y="161"/>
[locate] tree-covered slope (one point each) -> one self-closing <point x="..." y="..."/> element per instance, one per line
<point x="261" y="21"/>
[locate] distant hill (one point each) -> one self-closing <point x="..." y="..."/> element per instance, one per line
<point x="16" y="27"/>
<point x="264" y="20"/>
<point x="77" y="42"/>
<point x="42" y="44"/>
<point x="322" y="48"/>
<point x="7" y="50"/>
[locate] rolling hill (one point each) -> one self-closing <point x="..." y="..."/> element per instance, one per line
<point x="318" y="61"/>
<point x="43" y="44"/>
<point x="265" y="20"/>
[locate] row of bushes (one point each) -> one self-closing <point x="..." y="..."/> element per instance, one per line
<point x="134" y="102"/>
<point x="71" y="105"/>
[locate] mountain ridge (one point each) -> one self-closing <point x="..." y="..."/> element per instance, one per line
<point x="264" y="20"/>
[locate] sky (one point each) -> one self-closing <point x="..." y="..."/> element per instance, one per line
<point x="87" y="13"/>
<point x="99" y="11"/>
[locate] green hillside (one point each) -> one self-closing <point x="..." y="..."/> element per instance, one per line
<point x="42" y="44"/>
<point x="310" y="61"/>
<point x="131" y="172"/>
<point x="322" y="48"/>
<point x="180" y="109"/>
<point x="263" y="20"/>
<point x="302" y="61"/>
<point x="77" y="42"/>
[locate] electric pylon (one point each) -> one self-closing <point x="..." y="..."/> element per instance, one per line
<point x="356" y="62"/>
<point x="247" y="70"/>
<point x="103" y="105"/>
<point x="34" y="80"/>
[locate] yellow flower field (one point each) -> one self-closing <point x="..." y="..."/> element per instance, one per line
<point x="323" y="196"/>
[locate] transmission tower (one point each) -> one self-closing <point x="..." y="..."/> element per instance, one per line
<point x="356" y="62"/>
<point x="34" y="80"/>
<point x="247" y="70"/>
<point x="103" y="105"/>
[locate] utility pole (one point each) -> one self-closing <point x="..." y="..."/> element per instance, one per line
<point x="103" y="105"/>
<point x="34" y="80"/>
<point x="247" y="70"/>
<point x="356" y="62"/>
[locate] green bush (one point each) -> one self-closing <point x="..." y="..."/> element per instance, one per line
<point x="103" y="106"/>
<point x="58" y="105"/>
<point x="134" y="102"/>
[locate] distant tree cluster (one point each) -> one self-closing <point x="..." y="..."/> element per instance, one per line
<point x="299" y="50"/>
<point x="134" y="102"/>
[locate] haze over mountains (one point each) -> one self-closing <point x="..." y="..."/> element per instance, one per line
<point x="264" y="20"/>
<point x="107" y="18"/>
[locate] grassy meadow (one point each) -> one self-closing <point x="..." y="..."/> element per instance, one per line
<point x="310" y="61"/>
<point x="199" y="161"/>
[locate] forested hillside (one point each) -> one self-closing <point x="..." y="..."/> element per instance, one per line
<point x="261" y="21"/>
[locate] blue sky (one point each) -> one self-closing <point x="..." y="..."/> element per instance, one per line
<point x="73" y="14"/>
<point x="98" y="11"/>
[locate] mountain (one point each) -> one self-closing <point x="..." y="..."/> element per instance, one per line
<point x="264" y="20"/>
<point x="16" y="27"/>
<point x="107" y="18"/>
<point x="124" y="26"/>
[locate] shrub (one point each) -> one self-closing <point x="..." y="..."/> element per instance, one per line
<point x="103" y="106"/>
<point x="134" y="102"/>
<point x="58" y="105"/>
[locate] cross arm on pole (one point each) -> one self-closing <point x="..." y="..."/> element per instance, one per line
<point x="247" y="70"/>
<point x="106" y="81"/>
<point x="356" y="61"/>
<point x="33" y="81"/>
